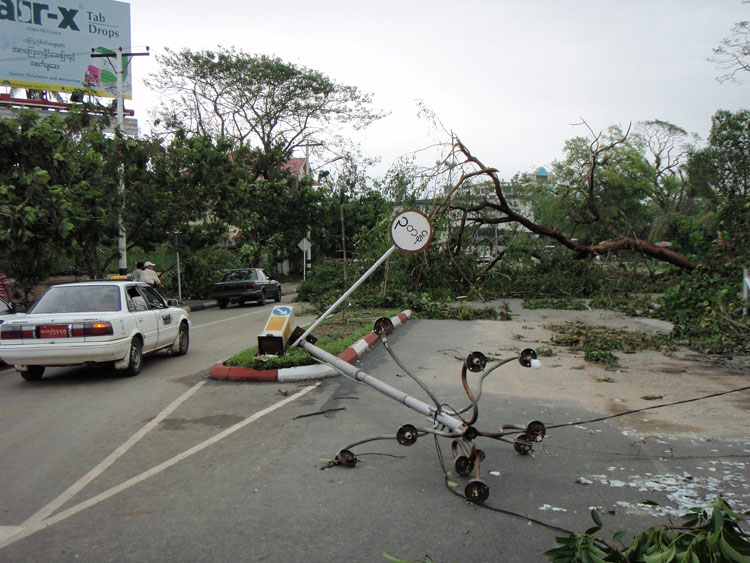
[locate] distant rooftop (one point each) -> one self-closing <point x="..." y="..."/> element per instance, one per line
<point x="296" y="166"/>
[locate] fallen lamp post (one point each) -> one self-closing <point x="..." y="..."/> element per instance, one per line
<point x="442" y="421"/>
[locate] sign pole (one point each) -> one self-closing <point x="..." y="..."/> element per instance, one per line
<point x="411" y="231"/>
<point x="304" y="245"/>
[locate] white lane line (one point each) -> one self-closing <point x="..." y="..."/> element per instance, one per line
<point x="110" y="459"/>
<point x="8" y="531"/>
<point x="229" y="319"/>
<point x="28" y="530"/>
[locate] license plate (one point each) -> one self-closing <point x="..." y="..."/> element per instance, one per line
<point x="53" y="331"/>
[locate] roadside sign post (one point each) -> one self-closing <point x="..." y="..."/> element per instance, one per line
<point x="277" y="331"/>
<point x="411" y="231"/>
<point x="304" y="245"/>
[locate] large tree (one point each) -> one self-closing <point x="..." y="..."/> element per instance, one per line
<point x="722" y="170"/>
<point x="601" y="186"/>
<point x="58" y="192"/>
<point x="732" y="56"/>
<point x="257" y="100"/>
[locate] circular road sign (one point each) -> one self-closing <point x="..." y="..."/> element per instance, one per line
<point x="411" y="231"/>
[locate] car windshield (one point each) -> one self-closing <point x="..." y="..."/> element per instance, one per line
<point x="78" y="299"/>
<point x="240" y="275"/>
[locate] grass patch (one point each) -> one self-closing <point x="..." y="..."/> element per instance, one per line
<point x="334" y="336"/>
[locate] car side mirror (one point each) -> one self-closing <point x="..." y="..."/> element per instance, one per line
<point x="16" y="307"/>
<point x="173" y="303"/>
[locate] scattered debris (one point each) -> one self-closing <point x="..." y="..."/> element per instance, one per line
<point x="319" y="412"/>
<point x="552" y="508"/>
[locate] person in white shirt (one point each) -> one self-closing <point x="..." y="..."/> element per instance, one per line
<point x="149" y="275"/>
<point x="138" y="271"/>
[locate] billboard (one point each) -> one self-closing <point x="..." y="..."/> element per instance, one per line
<point x="47" y="45"/>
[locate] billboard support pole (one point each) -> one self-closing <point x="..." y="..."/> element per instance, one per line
<point x="122" y="242"/>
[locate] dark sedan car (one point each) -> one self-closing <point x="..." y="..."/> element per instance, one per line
<point x="246" y="284"/>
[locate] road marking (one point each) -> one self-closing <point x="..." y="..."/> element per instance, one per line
<point x="33" y="525"/>
<point x="8" y="531"/>
<point x="110" y="459"/>
<point x="229" y="319"/>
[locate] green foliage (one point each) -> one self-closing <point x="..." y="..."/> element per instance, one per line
<point x="721" y="170"/>
<point x="597" y="356"/>
<point x="428" y="309"/>
<point x="623" y="181"/>
<point x="292" y="358"/>
<point x="555" y="303"/>
<point x="599" y="344"/>
<point x="361" y="210"/>
<point x="520" y="275"/>
<point x="200" y="270"/>
<point x="254" y="99"/>
<point x="706" y="307"/>
<point x="708" y="535"/>
<point x="635" y="305"/>
<point x="57" y="193"/>
<point x="323" y="285"/>
<point x="545" y="351"/>
<point x="334" y="336"/>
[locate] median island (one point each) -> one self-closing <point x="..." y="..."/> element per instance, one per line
<point x="334" y="335"/>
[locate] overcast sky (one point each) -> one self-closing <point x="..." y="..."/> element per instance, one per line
<point x="509" y="77"/>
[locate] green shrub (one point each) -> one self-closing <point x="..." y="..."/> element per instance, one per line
<point x="706" y="307"/>
<point x="199" y="271"/>
<point x="710" y="533"/>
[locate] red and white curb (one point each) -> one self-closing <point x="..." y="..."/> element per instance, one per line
<point x="302" y="373"/>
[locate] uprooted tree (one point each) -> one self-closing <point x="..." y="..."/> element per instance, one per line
<point x="600" y="179"/>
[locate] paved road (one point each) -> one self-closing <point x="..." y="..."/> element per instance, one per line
<point x="170" y="466"/>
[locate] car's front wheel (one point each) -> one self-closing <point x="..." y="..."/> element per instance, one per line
<point x="135" y="358"/>
<point x="34" y="373"/>
<point x="277" y="296"/>
<point x="222" y="304"/>
<point x="182" y="343"/>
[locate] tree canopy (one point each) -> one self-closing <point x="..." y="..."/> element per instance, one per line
<point x="257" y="100"/>
<point x="599" y="190"/>
<point x="732" y="56"/>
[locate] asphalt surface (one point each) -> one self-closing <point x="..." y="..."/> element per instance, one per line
<point x="257" y="490"/>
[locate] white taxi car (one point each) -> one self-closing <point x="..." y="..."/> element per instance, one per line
<point x="94" y="322"/>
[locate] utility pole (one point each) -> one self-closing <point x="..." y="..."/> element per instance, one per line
<point x="119" y="70"/>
